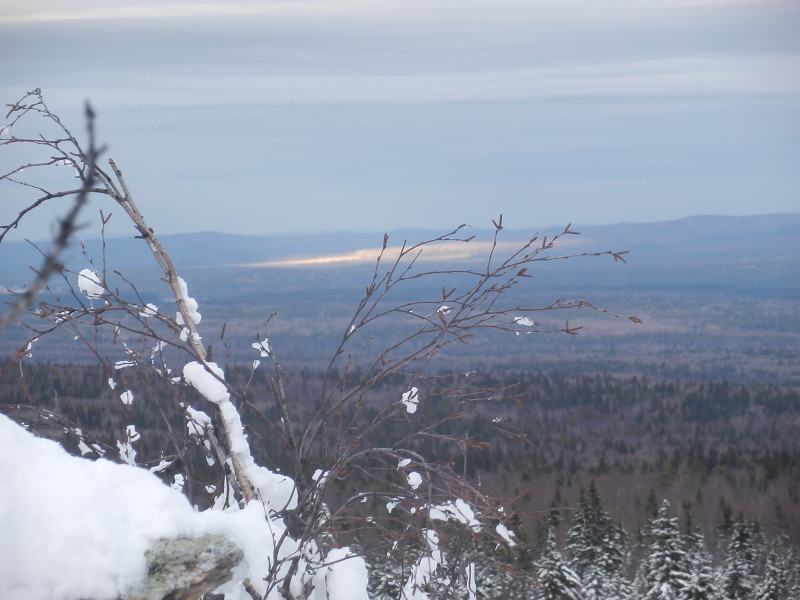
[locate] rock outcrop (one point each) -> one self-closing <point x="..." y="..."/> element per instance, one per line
<point x="187" y="568"/>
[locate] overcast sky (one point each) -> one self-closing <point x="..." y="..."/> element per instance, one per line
<point x="267" y="117"/>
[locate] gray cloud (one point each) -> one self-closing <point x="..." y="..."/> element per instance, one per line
<point x="396" y="112"/>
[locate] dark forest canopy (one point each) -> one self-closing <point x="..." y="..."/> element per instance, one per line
<point x="722" y="442"/>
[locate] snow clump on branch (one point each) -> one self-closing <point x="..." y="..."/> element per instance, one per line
<point x="345" y="577"/>
<point x="411" y="400"/>
<point x="276" y="490"/>
<point x="202" y="378"/>
<point x="191" y="304"/>
<point x="149" y="310"/>
<point x="458" y="511"/>
<point x="262" y="347"/>
<point x="90" y="285"/>
<point x="414" y="480"/>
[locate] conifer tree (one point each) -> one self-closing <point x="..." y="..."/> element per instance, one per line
<point x="737" y="568"/>
<point x="557" y="581"/>
<point x="389" y="570"/>
<point x="494" y="581"/>
<point x="588" y="537"/>
<point x="700" y="584"/>
<point x="789" y="566"/>
<point x="773" y="583"/>
<point x="504" y="573"/>
<point x="594" y="546"/>
<point x="665" y="568"/>
<point x="618" y="588"/>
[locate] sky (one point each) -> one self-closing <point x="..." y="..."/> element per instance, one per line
<point x="279" y="117"/>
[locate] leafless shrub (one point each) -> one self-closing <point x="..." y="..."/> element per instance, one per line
<point x="426" y="500"/>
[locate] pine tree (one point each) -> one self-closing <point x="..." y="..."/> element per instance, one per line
<point x="590" y="538"/>
<point x="493" y="580"/>
<point x="384" y="581"/>
<point x="388" y="570"/>
<point x="737" y="568"/>
<point x="618" y="588"/>
<point x="700" y="584"/>
<point x="665" y="569"/>
<point x="789" y="566"/>
<point x="773" y="583"/>
<point x="557" y="580"/>
<point x="500" y="572"/>
<point x="594" y="546"/>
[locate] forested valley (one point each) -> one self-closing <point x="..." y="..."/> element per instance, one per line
<point x="660" y="452"/>
<point x="709" y="469"/>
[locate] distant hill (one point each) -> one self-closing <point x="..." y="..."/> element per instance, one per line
<point x="719" y="296"/>
<point x="753" y="255"/>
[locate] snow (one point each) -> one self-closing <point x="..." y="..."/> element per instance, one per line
<point x="458" y="511"/>
<point x="411" y="400"/>
<point x="201" y="377"/>
<point x="345" y="577"/>
<point x="126" y="450"/>
<point x="196" y="421"/>
<point x="276" y="490"/>
<point x="424" y="570"/>
<point x="75" y="528"/>
<point x="524" y="321"/>
<point x="414" y="479"/>
<point x="506" y="534"/>
<point x="82" y="445"/>
<point x="178" y="482"/>
<point x="28" y="346"/>
<point x="84" y="448"/>
<point x="126" y="397"/>
<point x="149" y="310"/>
<point x="191" y="304"/>
<point x="472" y="586"/>
<point x="90" y="285"/>
<point x="262" y="347"/>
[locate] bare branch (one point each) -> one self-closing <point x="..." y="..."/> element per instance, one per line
<point x="66" y="229"/>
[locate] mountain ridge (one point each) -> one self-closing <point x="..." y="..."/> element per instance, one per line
<point x="757" y="255"/>
<point x="294" y="244"/>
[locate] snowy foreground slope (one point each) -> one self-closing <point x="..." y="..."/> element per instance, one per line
<point x="74" y="528"/>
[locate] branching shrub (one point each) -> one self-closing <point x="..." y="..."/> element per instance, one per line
<point x="433" y="522"/>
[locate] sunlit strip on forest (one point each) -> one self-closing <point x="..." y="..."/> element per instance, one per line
<point x="446" y="251"/>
